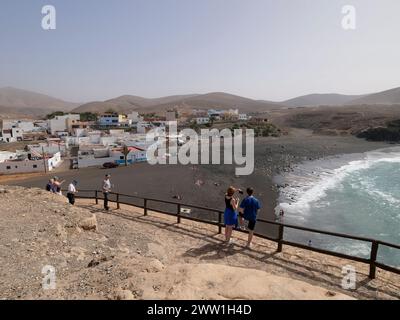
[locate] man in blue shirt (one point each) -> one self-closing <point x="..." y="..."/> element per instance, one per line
<point x="248" y="210"/>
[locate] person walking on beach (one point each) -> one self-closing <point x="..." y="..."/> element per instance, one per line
<point x="230" y="214"/>
<point x="72" y="191"/>
<point x="106" y="191"/>
<point x="249" y="208"/>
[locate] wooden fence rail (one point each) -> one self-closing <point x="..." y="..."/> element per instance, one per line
<point x="372" y="260"/>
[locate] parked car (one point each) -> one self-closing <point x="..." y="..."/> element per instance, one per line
<point x="109" y="165"/>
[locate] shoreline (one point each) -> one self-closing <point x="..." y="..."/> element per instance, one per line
<point x="205" y="185"/>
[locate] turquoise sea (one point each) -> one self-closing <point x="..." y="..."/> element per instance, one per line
<point x="357" y="194"/>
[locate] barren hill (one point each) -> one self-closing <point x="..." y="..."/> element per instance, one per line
<point x="23" y="102"/>
<point x="124" y="255"/>
<point x="337" y="119"/>
<point x="387" y="97"/>
<point x="192" y="101"/>
<point x="328" y="99"/>
<point x="21" y="113"/>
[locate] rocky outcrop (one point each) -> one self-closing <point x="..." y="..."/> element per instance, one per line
<point x="89" y="223"/>
<point x="390" y="133"/>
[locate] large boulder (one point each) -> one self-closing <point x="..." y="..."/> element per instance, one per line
<point x="123" y="295"/>
<point x="89" y="223"/>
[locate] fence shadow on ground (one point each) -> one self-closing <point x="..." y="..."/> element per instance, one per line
<point x="215" y="250"/>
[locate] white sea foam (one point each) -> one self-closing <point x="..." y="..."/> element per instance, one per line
<point x="355" y="249"/>
<point x="379" y="195"/>
<point x="310" y="182"/>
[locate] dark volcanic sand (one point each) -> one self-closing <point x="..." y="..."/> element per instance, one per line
<point x="205" y="185"/>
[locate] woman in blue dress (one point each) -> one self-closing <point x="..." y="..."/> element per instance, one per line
<point x="230" y="214"/>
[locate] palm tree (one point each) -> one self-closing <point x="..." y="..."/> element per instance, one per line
<point x="126" y="151"/>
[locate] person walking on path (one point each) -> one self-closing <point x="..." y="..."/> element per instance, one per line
<point x="230" y="214"/>
<point x="106" y="191"/>
<point x="249" y="208"/>
<point x="72" y="191"/>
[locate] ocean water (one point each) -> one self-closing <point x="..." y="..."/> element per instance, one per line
<point x="357" y="194"/>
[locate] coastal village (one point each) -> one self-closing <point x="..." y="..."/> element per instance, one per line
<point x="81" y="140"/>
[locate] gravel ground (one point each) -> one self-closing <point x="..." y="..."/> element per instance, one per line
<point x="123" y="255"/>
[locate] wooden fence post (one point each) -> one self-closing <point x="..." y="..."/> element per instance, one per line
<point x="280" y="238"/>
<point x="179" y="213"/>
<point x="372" y="265"/>
<point x="145" y="207"/>
<point x="97" y="197"/>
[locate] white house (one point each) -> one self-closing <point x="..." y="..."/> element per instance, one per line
<point x="26" y="126"/>
<point x="95" y="156"/>
<point x="90" y="156"/>
<point x="170" y="115"/>
<point x="142" y="127"/>
<point x="41" y="125"/>
<point x="135" y="117"/>
<point x="6" y="136"/>
<point x="109" y="140"/>
<point x="49" y="148"/>
<point x="135" y="155"/>
<point x="202" y="120"/>
<point x="5" y="155"/>
<point x="30" y="166"/>
<point x="63" y="123"/>
<point x="243" y="117"/>
<point x="13" y="130"/>
<point x="114" y="120"/>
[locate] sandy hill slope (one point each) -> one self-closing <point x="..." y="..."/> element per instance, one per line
<point x="328" y="99"/>
<point x="17" y="103"/>
<point x="387" y="97"/>
<point x="17" y="98"/>
<point x="124" y="255"/>
<point x="350" y="119"/>
<point x="21" y="113"/>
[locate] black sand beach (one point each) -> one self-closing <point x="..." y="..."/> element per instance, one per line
<point x="205" y="185"/>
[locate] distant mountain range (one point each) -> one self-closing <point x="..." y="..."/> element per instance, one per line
<point x="15" y="102"/>
<point x="387" y="97"/>
<point x="218" y="100"/>
<point x="328" y="99"/>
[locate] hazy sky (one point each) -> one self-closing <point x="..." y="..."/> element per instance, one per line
<point x="261" y="49"/>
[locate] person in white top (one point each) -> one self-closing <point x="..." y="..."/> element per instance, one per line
<point x="106" y="191"/>
<point x="72" y="191"/>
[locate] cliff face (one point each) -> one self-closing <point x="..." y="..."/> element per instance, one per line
<point x="123" y="255"/>
<point x="390" y="133"/>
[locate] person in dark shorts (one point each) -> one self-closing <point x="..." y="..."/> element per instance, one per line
<point x="230" y="215"/>
<point x="72" y="191"/>
<point x="50" y="186"/>
<point x="106" y="190"/>
<point x="248" y="211"/>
